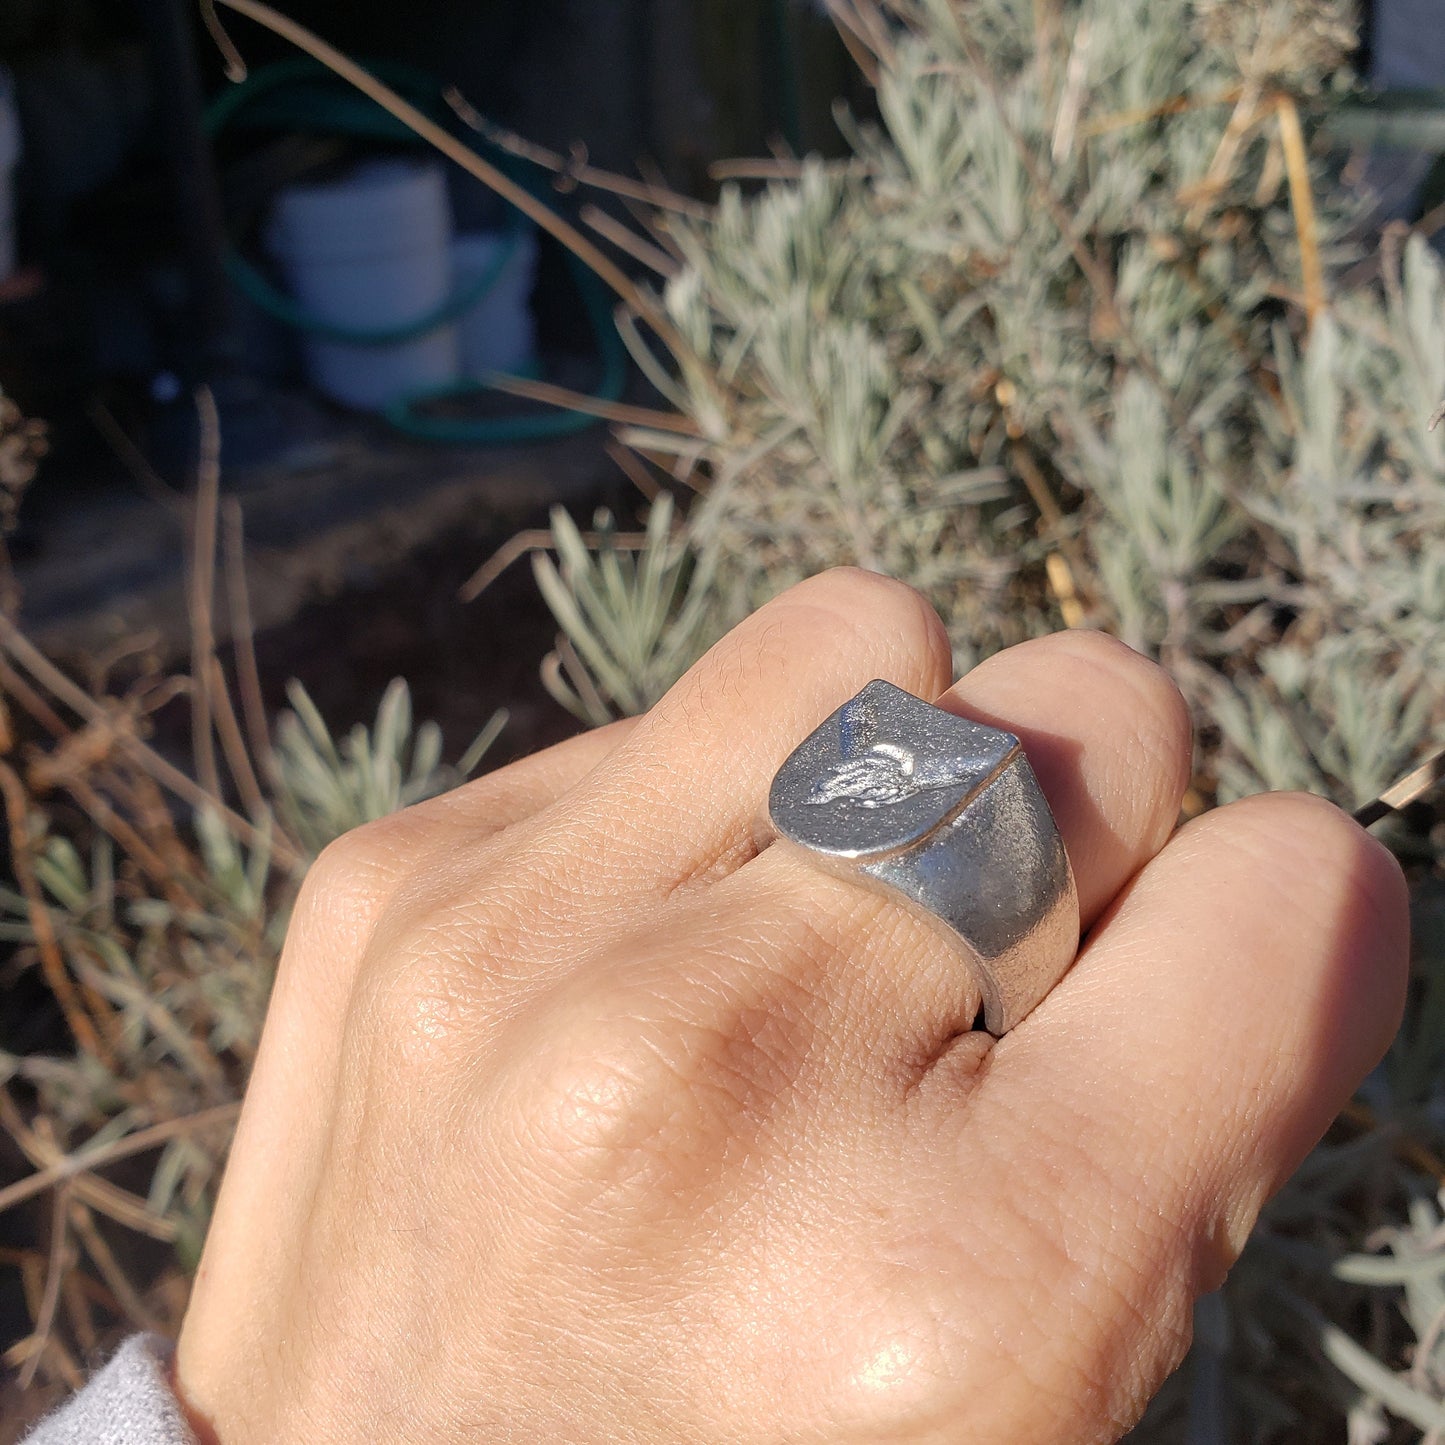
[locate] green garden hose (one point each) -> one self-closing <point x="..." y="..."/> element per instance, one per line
<point x="301" y="94"/>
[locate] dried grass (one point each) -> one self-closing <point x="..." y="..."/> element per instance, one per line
<point x="153" y="907"/>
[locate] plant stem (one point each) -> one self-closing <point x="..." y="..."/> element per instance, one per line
<point x="202" y="592"/>
<point x="28" y="656"/>
<point x="83" y="1160"/>
<point x="52" y="961"/>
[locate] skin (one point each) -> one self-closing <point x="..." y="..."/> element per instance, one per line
<point x="584" y="1115"/>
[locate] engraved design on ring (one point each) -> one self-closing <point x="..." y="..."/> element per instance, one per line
<point x="947" y="816"/>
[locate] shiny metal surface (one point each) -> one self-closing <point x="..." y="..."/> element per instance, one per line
<point x="948" y="815"/>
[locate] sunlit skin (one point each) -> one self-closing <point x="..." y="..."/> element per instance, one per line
<point x="583" y="1115"/>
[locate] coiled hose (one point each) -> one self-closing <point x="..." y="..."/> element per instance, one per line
<point x="300" y="94"/>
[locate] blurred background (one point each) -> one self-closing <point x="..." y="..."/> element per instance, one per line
<point x="163" y="227"/>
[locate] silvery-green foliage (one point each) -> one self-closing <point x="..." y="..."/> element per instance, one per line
<point x="1052" y="251"/>
<point x="1292" y="42"/>
<point x="1165" y="514"/>
<point x="1411" y="1266"/>
<point x="1352" y="480"/>
<point x="185" y="972"/>
<point x="184" y="965"/>
<point x="1341" y="718"/>
<point x="326" y="788"/>
<point x="631" y="621"/>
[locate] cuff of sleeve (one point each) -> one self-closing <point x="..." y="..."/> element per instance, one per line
<point x="127" y="1403"/>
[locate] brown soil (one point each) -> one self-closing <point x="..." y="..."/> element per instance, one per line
<point x="463" y="661"/>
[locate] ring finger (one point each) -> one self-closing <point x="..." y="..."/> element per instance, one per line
<point x="1108" y="736"/>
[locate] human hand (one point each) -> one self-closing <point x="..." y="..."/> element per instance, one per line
<point x="578" y="1118"/>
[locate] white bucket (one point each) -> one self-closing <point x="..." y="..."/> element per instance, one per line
<point x="499" y="332"/>
<point x="9" y="159"/>
<point x="368" y="252"/>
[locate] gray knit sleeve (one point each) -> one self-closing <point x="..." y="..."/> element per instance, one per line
<point x="126" y="1403"/>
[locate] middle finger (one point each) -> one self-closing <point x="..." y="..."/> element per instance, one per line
<point x="1108" y="736"/>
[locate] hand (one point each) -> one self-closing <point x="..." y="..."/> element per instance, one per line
<point x="578" y="1118"/>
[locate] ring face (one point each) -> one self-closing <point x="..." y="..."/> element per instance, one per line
<point x="948" y="814"/>
<point x="882" y="773"/>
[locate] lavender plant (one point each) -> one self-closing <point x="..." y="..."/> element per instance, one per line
<point x="326" y="788"/>
<point x="1059" y="344"/>
<point x="631" y="620"/>
<point x="159" y="939"/>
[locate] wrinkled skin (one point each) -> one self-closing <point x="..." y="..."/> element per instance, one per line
<point x="583" y="1115"/>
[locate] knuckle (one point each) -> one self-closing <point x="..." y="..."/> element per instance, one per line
<point x="862" y="600"/>
<point x="334" y="870"/>
<point x="850" y="581"/>
<point x="1153" y="736"/>
<point x="340" y="904"/>
<point x="400" y="862"/>
<point x="594" y="1098"/>
<point x="1296" y="822"/>
<point x="655" y="1095"/>
<point x="1322" y="850"/>
<point x="1341" y="914"/>
<point x="424" y="1011"/>
<point x="606" y="1124"/>
<point x="417" y="1031"/>
<point x="1162" y="704"/>
<point x="883" y="1357"/>
<point x="355" y="866"/>
<point x="341" y="898"/>
<point x="894" y="1380"/>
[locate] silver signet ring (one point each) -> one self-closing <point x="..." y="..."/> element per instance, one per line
<point x="948" y="814"/>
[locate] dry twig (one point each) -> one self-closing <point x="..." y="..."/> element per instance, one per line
<point x="88" y="1158"/>
<point x="27" y="655"/>
<point x="429" y="131"/>
<point x="1303" y="202"/>
<point x="201" y="592"/>
<point x="243" y="641"/>
<point x="539" y="540"/>
<point x="52" y="962"/>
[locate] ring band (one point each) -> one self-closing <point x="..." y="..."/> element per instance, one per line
<point x="947" y="813"/>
